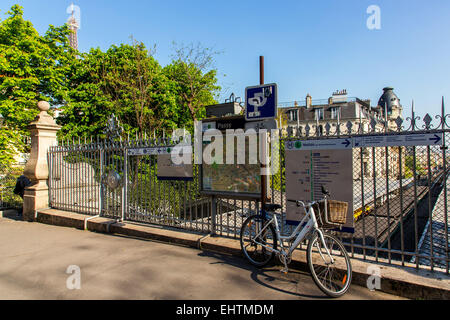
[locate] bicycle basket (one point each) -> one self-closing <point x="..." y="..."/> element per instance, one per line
<point x="335" y="214"/>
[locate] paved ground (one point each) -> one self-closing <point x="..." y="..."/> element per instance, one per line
<point x="34" y="258"/>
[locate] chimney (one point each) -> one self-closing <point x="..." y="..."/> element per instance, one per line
<point x="308" y="101"/>
<point x="340" y="96"/>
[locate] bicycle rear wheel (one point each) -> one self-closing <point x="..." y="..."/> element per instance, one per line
<point x="255" y="244"/>
<point x="333" y="278"/>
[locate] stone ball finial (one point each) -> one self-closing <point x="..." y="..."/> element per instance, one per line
<point x="43" y="105"/>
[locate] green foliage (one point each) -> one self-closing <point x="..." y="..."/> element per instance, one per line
<point x="277" y="180"/>
<point x="128" y="81"/>
<point x="9" y="140"/>
<point x="409" y="168"/>
<point x="139" y="90"/>
<point x="87" y="108"/>
<point x="194" y="81"/>
<point x="125" y="80"/>
<point x="193" y="89"/>
<point x="32" y="68"/>
<point x="8" y="179"/>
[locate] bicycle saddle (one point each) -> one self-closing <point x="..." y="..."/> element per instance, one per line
<point x="272" y="207"/>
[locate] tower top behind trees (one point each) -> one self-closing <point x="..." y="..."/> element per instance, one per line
<point x="73" y="26"/>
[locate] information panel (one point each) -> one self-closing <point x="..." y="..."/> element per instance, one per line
<point x="233" y="179"/>
<point x="167" y="170"/>
<point x="308" y="170"/>
<point x="234" y="170"/>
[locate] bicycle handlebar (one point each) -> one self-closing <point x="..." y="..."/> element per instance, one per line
<point x="297" y="202"/>
<point x="301" y="203"/>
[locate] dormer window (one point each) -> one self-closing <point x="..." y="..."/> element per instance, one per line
<point x="293" y="115"/>
<point x="335" y="112"/>
<point x="319" y="114"/>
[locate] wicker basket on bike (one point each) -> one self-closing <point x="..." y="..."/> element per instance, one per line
<point x="331" y="214"/>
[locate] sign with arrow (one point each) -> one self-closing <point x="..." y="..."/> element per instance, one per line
<point x="152" y="151"/>
<point x="399" y="140"/>
<point x="325" y="144"/>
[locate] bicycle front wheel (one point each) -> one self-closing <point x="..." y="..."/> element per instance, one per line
<point x="258" y="240"/>
<point x="331" y="272"/>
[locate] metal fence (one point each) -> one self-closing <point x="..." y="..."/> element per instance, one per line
<point x="400" y="193"/>
<point x="78" y="182"/>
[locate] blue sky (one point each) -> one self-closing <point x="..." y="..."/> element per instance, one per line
<point x="313" y="47"/>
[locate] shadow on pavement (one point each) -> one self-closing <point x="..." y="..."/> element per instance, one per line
<point x="294" y="283"/>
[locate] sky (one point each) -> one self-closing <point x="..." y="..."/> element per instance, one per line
<point x="314" y="47"/>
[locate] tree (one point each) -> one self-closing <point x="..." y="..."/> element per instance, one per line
<point x="9" y="140"/>
<point x="32" y="68"/>
<point x="138" y="88"/>
<point x="195" y="81"/>
<point x="87" y="107"/>
<point x="125" y="80"/>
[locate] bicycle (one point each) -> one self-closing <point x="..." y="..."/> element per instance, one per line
<point x="327" y="258"/>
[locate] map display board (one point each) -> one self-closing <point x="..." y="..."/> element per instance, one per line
<point x="232" y="179"/>
<point x="308" y="169"/>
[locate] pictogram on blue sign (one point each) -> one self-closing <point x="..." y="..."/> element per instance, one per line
<point x="261" y="102"/>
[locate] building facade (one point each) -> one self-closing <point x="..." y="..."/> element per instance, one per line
<point x="343" y="115"/>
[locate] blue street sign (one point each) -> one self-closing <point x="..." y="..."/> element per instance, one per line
<point x="261" y="102"/>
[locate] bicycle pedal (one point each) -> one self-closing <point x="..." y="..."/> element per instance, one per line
<point x="285" y="271"/>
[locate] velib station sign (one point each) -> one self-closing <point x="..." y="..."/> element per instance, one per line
<point x="261" y="102"/>
<point x="311" y="164"/>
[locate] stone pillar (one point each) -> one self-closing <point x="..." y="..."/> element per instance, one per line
<point x="43" y="135"/>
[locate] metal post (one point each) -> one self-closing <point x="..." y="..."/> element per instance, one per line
<point x="101" y="200"/>
<point x="430" y="209"/>
<point x="375" y="200"/>
<point x="125" y="184"/>
<point x="402" y="243"/>
<point x="388" y="209"/>
<point x="363" y="204"/>
<point x="261" y="70"/>
<point x="444" y="163"/>
<point x="213" y="215"/>
<point x="50" y="177"/>
<point x="416" y="228"/>
<point x="263" y="144"/>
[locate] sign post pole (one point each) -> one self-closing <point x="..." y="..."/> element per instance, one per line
<point x="263" y="143"/>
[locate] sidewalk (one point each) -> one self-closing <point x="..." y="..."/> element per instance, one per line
<point x="404" y="282"/>
<point x="35" y="258"/>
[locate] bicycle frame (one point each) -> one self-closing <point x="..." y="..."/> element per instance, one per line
<point x="306" y="226"/>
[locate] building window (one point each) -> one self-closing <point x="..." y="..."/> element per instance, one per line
<point x="293" y="115"/>
<point x="334" y="112"/>
<point x="319" y="114"/>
